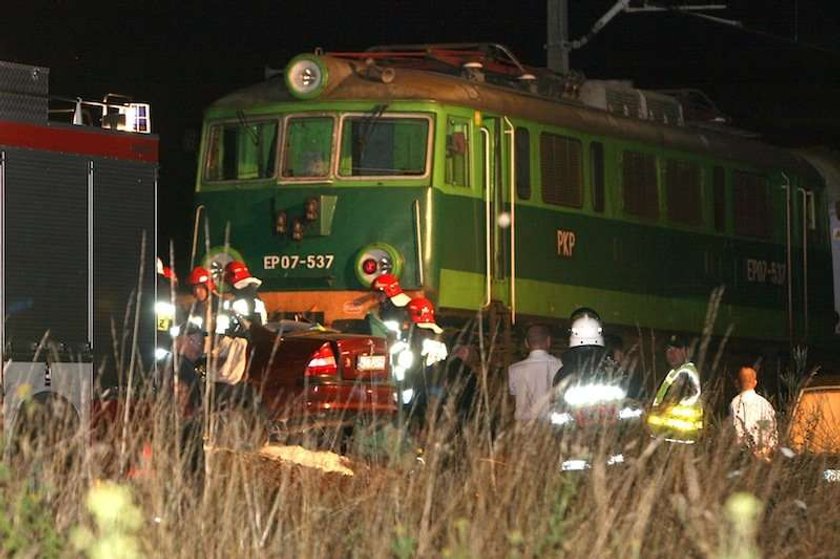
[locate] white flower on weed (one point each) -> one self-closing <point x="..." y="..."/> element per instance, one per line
<point x="111" y="505"/>
<point x="743" y="512"/>
<point x="116" y="520"/>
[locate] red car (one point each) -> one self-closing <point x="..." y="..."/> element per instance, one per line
<point x="304" y="374"/>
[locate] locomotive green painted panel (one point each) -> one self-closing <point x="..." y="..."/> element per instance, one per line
<point x="359" y="217"/>
<point x="535" y="298"/>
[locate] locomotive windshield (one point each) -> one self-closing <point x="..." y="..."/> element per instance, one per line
<point x="390" y="146"/>
<point x="241" y="150"/>
<point x="395" y="145"/>
<point x="308" y="147"/>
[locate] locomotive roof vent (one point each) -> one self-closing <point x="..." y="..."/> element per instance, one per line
<point x="621" y="98"/>
<point x="495" y="64"/>
<point x="473" y="71"/>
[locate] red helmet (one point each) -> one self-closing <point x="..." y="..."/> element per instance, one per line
<point x="166" y="271"/>
<point x="238" y="275"/>
<point x="422" y="313"/>
<point x="202" y="276"/>
<point x="169" y="274"/>
<point x="390" y="286"/>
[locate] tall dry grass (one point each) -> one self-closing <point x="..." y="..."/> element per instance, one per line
<point x="478" y="490"/>
<point x="482" y="488"/>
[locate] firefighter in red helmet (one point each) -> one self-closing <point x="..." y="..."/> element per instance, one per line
<point x="422" y="314"/>
<point x="203" y="289"/>
<point x="245" y="302"/>
<point x="422" y="375"/>
<point x="194" y="341"/>
<point x="390" y="319"/>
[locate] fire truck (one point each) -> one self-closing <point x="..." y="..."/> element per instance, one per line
<point x="78" y="213"/>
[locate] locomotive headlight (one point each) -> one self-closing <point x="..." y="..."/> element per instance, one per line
<point x="377" y="259"/>
<point x="306" y="76"/>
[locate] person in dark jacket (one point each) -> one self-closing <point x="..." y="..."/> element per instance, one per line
<point x="586" y="354"/>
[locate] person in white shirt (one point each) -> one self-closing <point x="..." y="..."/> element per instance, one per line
<point x="530" y="380"/>
<point x="753" y="417"/>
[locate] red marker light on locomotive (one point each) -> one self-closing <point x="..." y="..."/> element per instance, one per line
<point x="310" y="209"/>
<point x="369" y="266"/>
<point x="322" y="362"/>
<point x="297" y="230"/>
<point x="281" y="223"/>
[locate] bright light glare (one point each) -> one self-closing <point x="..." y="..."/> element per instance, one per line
<point x="433" y="351"/>
<point x="399" y="373"/>
<point x="222" y="323"/>
<point x="393" y="326"/>
<point x="405" y="359"/>
<point x="615" y="459"/>
<point x="630" y="413"/>
<point x="832" y="476"/>
<point x="561" y="418"/>
<point x="175" y="331"/>
<point x="397" y="347"/>
<point x="196" y="321"/>
<point x="161" y="354"/>
<point x="240" y="306"/>
<point x="407" y="395"/>
<point x="573" y="465"/>
<point x="587" y="395"/>
<point x="164" y="309"/>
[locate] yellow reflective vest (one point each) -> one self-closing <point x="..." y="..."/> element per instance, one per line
<point x="677" y="410"/>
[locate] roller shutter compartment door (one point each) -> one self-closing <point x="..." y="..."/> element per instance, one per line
<point x="123" y="208"/>
<point x="46" y="249"/>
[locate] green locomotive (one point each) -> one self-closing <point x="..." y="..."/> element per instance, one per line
<point x="480" y="181"/>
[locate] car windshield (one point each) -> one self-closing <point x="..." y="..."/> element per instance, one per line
<point x="383" y="146"/>
<point x="241" y="150"/>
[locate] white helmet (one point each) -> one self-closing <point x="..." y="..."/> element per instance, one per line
<point x="586" y="329"/>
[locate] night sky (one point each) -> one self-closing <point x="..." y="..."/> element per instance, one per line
<point x="181" y="56"/>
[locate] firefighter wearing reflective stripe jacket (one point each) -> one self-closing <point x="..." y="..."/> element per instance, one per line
<point x="677" y="410"/>
<point x="200" y="319"/>
<point x="390" y="319"/>
<point x="422" y="381"/>
<point x="167" y="281"/>
<point x="245" y="303"/>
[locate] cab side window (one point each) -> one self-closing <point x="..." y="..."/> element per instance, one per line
<point x="457" y="151"/>
<point x="241" y="151"/>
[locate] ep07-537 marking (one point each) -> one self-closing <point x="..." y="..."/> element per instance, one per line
<point x="298" y="261"/>
<point x="762" y="271"/>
